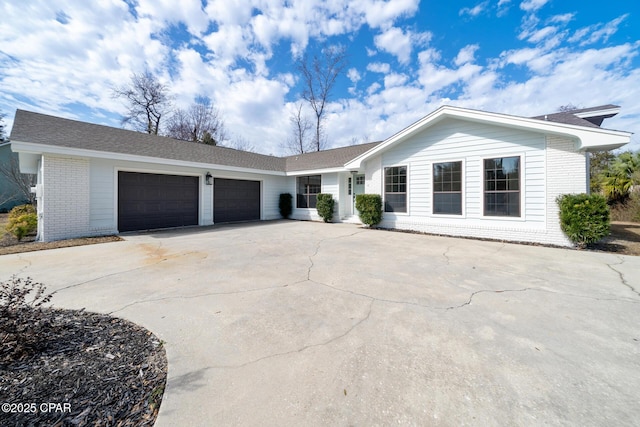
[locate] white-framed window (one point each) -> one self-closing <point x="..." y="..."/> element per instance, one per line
<point x="395" y="189"/>
<point x="502" y="186"/>
<point x="308" y="188"/>
<point x="447" y="188"/>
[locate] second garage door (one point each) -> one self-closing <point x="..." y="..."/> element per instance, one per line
<point x="236" y="200"/>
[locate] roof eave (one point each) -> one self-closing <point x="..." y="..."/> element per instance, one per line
<point x="605" y="113"/>
<point x="37" y="148"/>
<point x="316" y="171"/>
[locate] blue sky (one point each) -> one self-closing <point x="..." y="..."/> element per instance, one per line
<point x="406" y="58"/>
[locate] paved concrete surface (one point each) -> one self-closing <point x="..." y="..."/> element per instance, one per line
<point x="300" y="323"/>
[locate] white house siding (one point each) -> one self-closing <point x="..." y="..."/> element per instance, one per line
<point x="471" y="143"/>
<point x="64" y="195"/>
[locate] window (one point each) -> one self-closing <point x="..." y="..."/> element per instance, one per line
<point x="395" y="189"/>
<point x="308" y="189"/>
<point x="447" y="188"/>
<point x="502" y="187"/>
<point x="359" y="179"/>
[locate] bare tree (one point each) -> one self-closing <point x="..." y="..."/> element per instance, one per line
<point x="147" y="101"/>
<point x="240" y="143"/>
<point x="568" y="107"/>
<point x="201" y="122"/>
<point x="319" y="76"/>
<point x="21" y="182"/>
<point x="301" y="126"/>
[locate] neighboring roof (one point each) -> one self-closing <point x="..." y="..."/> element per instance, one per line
<point x="49" y="130"/>
<point x="589" y="117"/>
<point x="327" y="159"/>
<point x="589" y="137"/>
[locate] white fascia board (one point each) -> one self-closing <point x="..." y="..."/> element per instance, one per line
<point x="28" y="147"/>
<point x="589" y="138"/>
<point x="598" y="113"/>
<point x="316" y="171"/>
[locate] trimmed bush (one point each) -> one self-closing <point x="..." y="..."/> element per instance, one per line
<point x="324" y="206"/>
<point x="369" y="207"/>
<point x="23" y="220"/>
<point x="584" y="218"/>
<point x="285" y="205"/>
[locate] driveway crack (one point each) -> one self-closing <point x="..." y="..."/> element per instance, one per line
<point x="487" y="291"/>
<point x="206" y="294"/>
<point x="305" y="347"/>
<point x="623" y="280"/>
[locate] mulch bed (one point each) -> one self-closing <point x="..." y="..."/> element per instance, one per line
<point x="81" y="369"/>
<point x="10" y="245"/>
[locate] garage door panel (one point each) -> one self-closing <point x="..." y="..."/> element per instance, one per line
<point x="236" y="200"/>
<point x="148" y="201"/>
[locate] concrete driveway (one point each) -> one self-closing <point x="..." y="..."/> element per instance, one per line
<point x="301" y="323"/>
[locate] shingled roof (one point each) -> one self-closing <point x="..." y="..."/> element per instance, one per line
<point x="589" y="117"/>
<point x="50" y="130"/>
<point x="327" y="159"/>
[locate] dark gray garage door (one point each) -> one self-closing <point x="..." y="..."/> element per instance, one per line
<point x="147" y="201"/>
<point x="235" y="200"/>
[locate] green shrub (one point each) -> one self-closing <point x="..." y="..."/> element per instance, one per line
<point x="584" y="218"/>
<point x="21" y="210"/>
<point x="23" y="220"/>
<point x="285" y="205"/>
<point x="324" y="206"/>
<point x="369" y="207"/>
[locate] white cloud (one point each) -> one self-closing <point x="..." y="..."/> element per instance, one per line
<point x="562" y="19"/>
<point x="396" y="42"/>
<point x="466" y="54"/>
<point x="379" y="67"/>
<point x="394" y="79"/>
<point x="597" y="32"/>
<point x="503" y="7"/>
<point x="474" y="11"/>
<point x="401" y="43"/>
<point x="382" y="13"/>
<point x="532" y="5"/>
<point x="353" y="75"/>
<point x="188" y="12"/>
<point x="542" y="34"/>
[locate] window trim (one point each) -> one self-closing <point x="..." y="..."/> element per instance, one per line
<point x="462" y="213"/>
<point x="306" y="194"/>
<point x="522" y="216"/>
<point x="384" y="189"/>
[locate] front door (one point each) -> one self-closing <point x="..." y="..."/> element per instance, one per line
<point x="358" y="188"/>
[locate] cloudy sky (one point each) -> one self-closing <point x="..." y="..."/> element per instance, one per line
<point x="406" y="58"/>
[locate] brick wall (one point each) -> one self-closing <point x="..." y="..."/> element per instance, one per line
<point x="566" y="174"/>
<point x="65" y="198"/>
